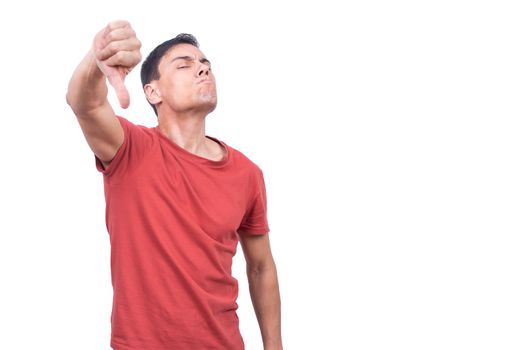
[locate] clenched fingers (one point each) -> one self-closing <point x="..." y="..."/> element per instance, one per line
<point x="127" y="59"/>
<point x="111" y="48"/>
<point x="117" y="42"/>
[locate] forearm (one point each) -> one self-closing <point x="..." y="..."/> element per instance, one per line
<point x="265" y="295"/>
<point x="87" y="90"/>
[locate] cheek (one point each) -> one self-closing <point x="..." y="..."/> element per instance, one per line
<point x="181" y="87"/>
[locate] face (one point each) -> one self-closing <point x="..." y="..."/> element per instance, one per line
<point x="186" y="82"/>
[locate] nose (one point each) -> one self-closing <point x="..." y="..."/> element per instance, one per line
<point x="203" y="70"/>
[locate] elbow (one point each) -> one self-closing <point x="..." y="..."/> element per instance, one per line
<point x="73" y="104"/>
<point x="68" y="98"/>
<point x="261" y="267"/>
<point x="72" y="101"/>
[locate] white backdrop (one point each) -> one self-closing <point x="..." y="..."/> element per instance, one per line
<point x="391" y="139"/>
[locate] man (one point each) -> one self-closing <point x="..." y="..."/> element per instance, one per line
<point x="177" y="201"/>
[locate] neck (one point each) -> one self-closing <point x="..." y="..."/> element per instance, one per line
<point x="186" y="130"/>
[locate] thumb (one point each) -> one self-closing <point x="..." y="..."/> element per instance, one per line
<point x="117" y="82"/>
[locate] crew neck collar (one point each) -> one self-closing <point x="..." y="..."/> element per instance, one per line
<point x="196" y="158"/>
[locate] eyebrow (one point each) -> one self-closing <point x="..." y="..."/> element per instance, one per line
<point x="189" y="58"/>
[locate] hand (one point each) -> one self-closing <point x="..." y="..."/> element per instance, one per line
<point x="117" y="51"/>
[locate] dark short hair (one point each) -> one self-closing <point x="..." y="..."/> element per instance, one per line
<point x="149" y="69"/>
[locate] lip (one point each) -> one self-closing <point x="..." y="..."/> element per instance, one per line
<point x="205" y="81"/>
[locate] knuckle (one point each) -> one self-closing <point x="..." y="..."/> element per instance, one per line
<point x="113" y="46"/>
<point x="120" y="56"/>
<point x="111" y="36"/>
<point x="99" y="55"/>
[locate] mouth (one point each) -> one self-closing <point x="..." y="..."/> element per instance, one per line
<point x="205" y="81"/>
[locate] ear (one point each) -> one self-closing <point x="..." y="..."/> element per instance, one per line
<point x="152" y="93"/>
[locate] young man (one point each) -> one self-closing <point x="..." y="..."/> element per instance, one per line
<point x="177" y="201"/>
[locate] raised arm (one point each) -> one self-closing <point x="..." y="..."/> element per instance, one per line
<point x="114" y="53"/>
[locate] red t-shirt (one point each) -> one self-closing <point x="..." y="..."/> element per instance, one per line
<point x="172" y="218"/>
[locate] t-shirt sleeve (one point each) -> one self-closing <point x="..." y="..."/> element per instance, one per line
<point x="255" y="220"/>
<point x="137" y="142"/>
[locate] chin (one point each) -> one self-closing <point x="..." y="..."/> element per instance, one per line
<point x="209" y="97"/>
<point x="209" y="101"/>
<point x="212" y="106"/>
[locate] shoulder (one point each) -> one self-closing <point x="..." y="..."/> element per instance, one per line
<point x="131" y="128"/>
<point x="245" y="167"/>
<point x="126" y="122"/>
<point x="243" y="160"/>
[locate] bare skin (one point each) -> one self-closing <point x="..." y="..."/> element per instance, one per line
<point x="182" y="110"/>
<point x="184" y="95"/>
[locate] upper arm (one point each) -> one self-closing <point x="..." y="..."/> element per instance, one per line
<point x="257" y="250"/>
<point x="103" y="132"/>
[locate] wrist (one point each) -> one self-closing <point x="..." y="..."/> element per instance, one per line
<point x="275" y="345"/>
<point x="93" y="66"/>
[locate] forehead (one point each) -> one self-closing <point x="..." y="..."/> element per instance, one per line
<point x="181" y="50"/>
